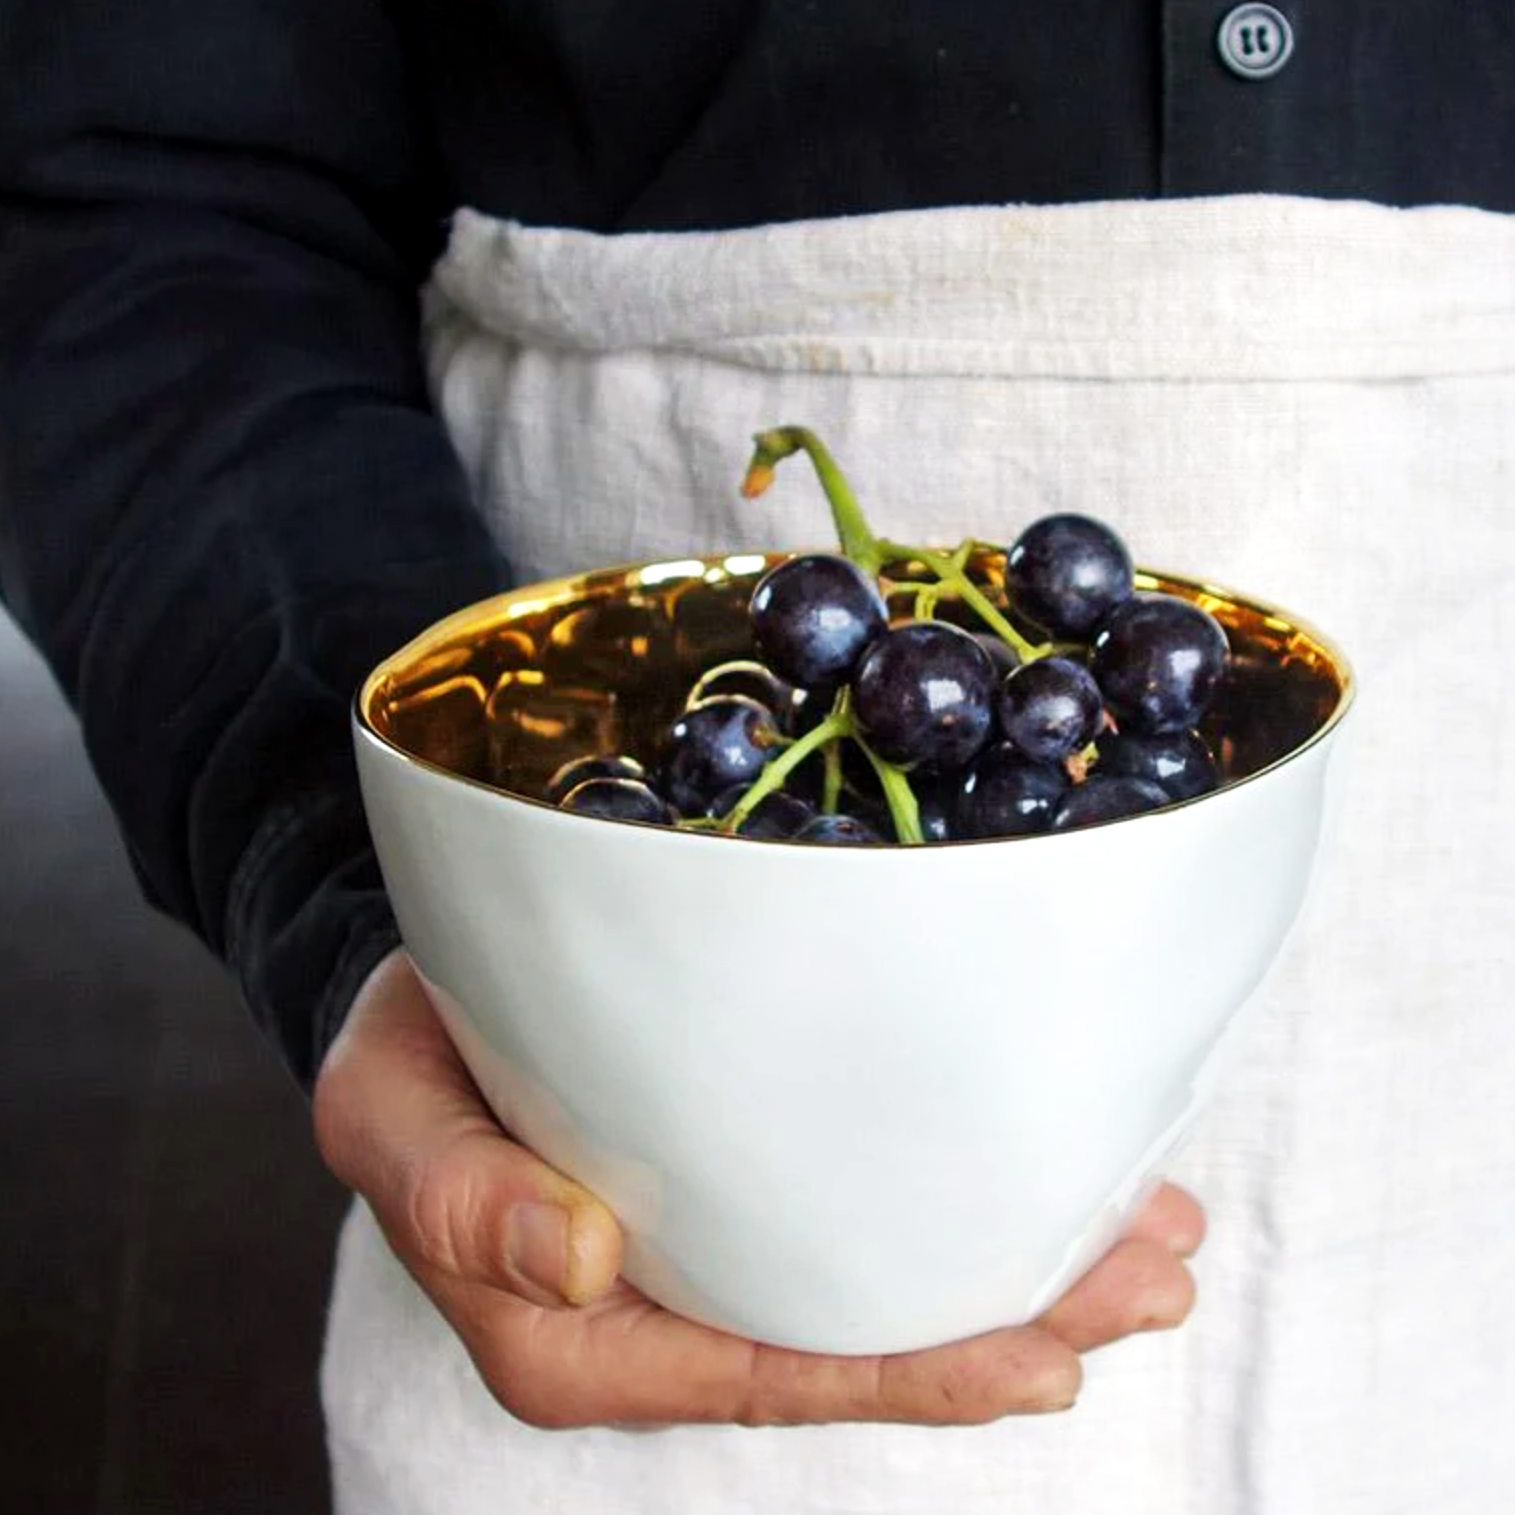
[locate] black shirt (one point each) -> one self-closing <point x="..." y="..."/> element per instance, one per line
<point x="222" y="492"/>
<point x="645" y="115"/>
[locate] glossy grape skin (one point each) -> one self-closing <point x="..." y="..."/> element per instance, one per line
<point x="1180" y="762"/>
<point x="837" y="831"/>
<point x="723" y="741"/>
<point x="1050" y="709"/>
<point x="924" y="694"/>
<point x="1005" y="794"/>
<point x="1158" y="659"/>
<point x="1107" y="798"/>
<point x="596" y="766"/>
<point x="774" y="817"/>
<point x="1067" y="572"/>
<point x="812" y="617"/>
<point x="618" y="800"/>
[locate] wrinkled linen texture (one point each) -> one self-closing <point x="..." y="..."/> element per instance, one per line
<point x="1311" y="401"/>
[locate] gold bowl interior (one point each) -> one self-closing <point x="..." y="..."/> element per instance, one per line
<point x="506" y="691"/>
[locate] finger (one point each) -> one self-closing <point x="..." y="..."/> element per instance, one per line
<point x="1172" y="1218"/>
<point x="399" y="1119"/>
<point x="633" y="1363"/>
<point x="1021" y="1371"/>
<point x="1137" y="1286"/>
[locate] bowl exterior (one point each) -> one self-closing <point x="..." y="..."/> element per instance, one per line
<point x="846" y="1100"/>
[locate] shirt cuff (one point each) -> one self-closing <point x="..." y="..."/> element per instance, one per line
<point x="308" y="920"/>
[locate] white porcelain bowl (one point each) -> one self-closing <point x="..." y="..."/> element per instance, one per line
<point x="842" y="1099"/>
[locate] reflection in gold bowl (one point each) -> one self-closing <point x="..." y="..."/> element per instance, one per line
<point x="506" y="691"/>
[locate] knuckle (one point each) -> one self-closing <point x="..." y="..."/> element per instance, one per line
<point x="1062" y="1383"/>
<point x="757" y="1404"/>
<point x="1179" y="1296"/>
<point x="1161" y="1297"/>
<point x="441" y="1215"/>
<point x="757" y="1414"/>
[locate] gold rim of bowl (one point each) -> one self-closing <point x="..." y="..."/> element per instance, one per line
<point x="448" y="642"/>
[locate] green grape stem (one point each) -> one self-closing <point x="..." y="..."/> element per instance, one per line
<point x="831" y="794"/>
<point x="925" y="596"/>
<point x="772" y="447"/>
<point x="837" y="726"/>
<point x="771" y="779"/>
<point x="899" y="796"/>
<point x="955" y="578"/>
<point x="858" y="542"/>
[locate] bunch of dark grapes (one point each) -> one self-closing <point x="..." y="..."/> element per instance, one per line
<point x="851" y="726"/>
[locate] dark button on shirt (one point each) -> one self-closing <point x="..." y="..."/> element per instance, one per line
<point x="1409" y="103"/>
<point x="1254" y="41"/>
<point x="650" y="116"/>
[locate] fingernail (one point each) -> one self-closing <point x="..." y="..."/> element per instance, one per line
<point x="1060" y="1388"/>
<point x="1184" y="1241"/>
<point x="537" y="1241"/>
<point x="1167" y="1307"/>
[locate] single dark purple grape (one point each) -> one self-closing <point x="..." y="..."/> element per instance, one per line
<point x="1109" y="798"/>
<point x="743" y="677"/>
<point x="1006" y="794"/>
<point x="1050" y="709"/>
<point x="596" y="766"/>
<point x="924" y="694"/>
<point x="618" y="800"/>
<point x="1067" y="572"/>
<point x="812" y="617"/>
<point x="1179" y="762"/>
<point x="724" y="741"/>
<point x="1001" y="653"/>
<point x="1157" y="659"/>
<point x="837" y="831"/>
<point x="775" y="816"/>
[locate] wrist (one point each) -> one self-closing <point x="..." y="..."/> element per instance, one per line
<point x="308" y="921"/>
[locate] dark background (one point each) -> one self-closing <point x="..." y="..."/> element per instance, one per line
<point x="167" y="1226"/>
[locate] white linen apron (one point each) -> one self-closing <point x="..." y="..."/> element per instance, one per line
<point x="1314" y="402"/>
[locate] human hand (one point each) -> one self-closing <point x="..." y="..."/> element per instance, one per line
<point x="524" y="1265"/>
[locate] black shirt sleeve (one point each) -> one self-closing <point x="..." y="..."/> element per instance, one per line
<point x="222" y="493"/>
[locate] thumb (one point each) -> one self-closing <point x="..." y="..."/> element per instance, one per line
<point x="399" y="1120"/>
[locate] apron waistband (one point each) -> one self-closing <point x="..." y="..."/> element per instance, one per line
<point x="1256" y="287"/>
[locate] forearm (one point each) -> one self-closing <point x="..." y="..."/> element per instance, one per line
<point x="222" y="497"/>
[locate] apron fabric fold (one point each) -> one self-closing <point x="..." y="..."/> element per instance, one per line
<point x="1312" y="401"/>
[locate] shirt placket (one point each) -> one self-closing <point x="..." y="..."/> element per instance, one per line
<point x="1235" y="82"/>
